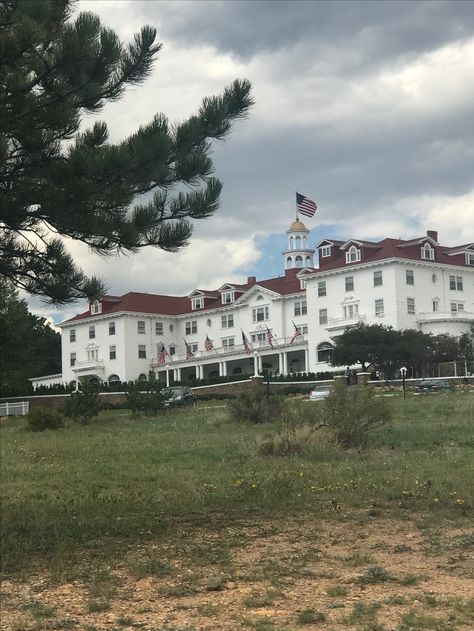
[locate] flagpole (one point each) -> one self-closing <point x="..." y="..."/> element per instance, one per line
<point x="296" y="202"/>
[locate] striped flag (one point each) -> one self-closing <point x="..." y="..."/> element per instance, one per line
<point x="246" y="344"/>
<point x="208" y="345"/>
<point x="189" y="352"/>
<point x="296" y="334"/>
<point x="270" y="338"/>
<point x="305" y="206"/>
<point x="162" y="355"/>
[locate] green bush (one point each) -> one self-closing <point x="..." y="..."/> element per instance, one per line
<point x="290" y="441"/>
<point x="256" y="407"/>
<point x="143" y="397"/>
<point x="83" y="405"/>
<point x="40" y="419"/>
<point x="352" y="413"/>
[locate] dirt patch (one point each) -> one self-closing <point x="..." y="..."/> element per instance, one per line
<point x="382" y="574"/>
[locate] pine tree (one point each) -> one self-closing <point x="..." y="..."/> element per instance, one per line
<point x="56" y="181"/>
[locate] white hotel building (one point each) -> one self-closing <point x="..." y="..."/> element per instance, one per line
<point x="416" y="284"/>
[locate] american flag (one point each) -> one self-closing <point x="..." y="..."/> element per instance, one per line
<point x="162" y="355"/>
<point x="296" y="334"/>
<point x="270" y="337"/>
<point x="305" y="205"/>
<point x="189" y="352"/>
<point x="246" y="344"/>
<point x="208" y="345"/>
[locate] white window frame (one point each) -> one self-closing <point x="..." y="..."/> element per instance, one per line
<point x="325" y="251"/>
<point x="228" y="297"/>
<point x="351" y="310"/>
<point x="172" y="349"/>
<point x="112" y="328"/>
<point x="409" y="277"/>
<point x="378" y="278"/>
<point x="112" y="352"/>
<point x="227" y="321"/>
<point x="142" y="351"/>
<point x="191" y="327"/>
<point x="457" y="306"/>
<point x="260" y="313"/>
<point x="323" y="316"/>
<point x="159" y="328"/>
<point x="353" y="254"/>
<point x="324" y="347"/>
<point x="228" y="342"/>
<point x="92" y="332"/>
<point x="456" y="283"/>
<point x="411" y="306"/>
<point x="72" y="359"/>
<point x="379" y="307"/>
<point x="349" y="283"/>
<point x="96" y="307"/>
<point x="197" y="303"/>
<point x="427" y="252"/>
<point x="141" y="327"/>
<point x="72" y="335"/>
<point x="258" y="338"/>
<point x="300" y="308"/>
<point x="322" y="289"/>
<point x="470" y="258"/>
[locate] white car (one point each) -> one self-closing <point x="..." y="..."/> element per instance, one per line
<point x="320" y="393"/>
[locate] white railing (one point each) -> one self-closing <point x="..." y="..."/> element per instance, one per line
<point x="88" y="364"/>
<point x="20" y="408"/>
<point x="342" y="322"/>
<point x="433" y="316"/>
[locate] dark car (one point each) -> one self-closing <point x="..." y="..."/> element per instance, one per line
<point x="178" y="396"/>
<point x="434" y="386"/>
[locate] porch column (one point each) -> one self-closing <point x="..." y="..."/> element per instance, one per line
<point x="285" y="363"/>
<point x="280" y="363"/>
<point x="167" y="378"/>
<point x="177" y="374"/>
<point x="306" y="359"/>
<point x="260" y="364"/>
<point x="223" y="372"/>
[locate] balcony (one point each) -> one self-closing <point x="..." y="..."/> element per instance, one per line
<point x="441" y="316"/>
<point x="336" y="325"/>
<point x="89" y="367"/>
<point x="233" y="352"/>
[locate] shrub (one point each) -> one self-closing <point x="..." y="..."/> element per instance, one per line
<point x="40" y="419"/>
<point x="84" y="404"/>
<point x="256" y="407"/>
<point x="352" y="413"/>
<point x="143" y="397"/>
<point x="290" y="441"/>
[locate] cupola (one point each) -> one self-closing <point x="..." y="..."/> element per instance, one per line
<point x="298" y="254"/>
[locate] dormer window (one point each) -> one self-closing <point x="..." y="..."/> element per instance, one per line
<point x="427" y="252"/>
<point x="325" y="251"/>
<point x="352" y="254"/>
<point x="197" y="303"/>
<point x="469" y="258"/>
<point x="228" y="297"/>
<point x="96" y="307"/>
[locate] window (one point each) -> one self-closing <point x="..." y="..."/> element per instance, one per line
<point x="379" y="307"/>
<point x="197" y="303"/>
<point x="322" y="288"/>
<point x="141" y="351"/>
<point x="141" y="327"/>
<point x="455" y="283"/>
<point x="301" y="308"/>
<point x="111" y="328"/>
<point x="227" y="321"/>
<point x="469" y="258"/>
<point x="227" y="297"/>
<point x="352" y="255"/>
<point x="260" y="314"/>
<point x="289" y="262"/>
<point x="409" y="277"/>
<point x="112" y="352"/>
<point x="435" y="304"/>
<point x="325" y="251"/>
<point x="350" y="311"/>
<point x="72" y="335"/>
<point x="427" y="252"/>
<point x="113" y="378"/>
<point x="172" y="348"/>
<point x="324" y="352"/>
<point x="457" y="306"/>
<point x="193" y="346"/>
<point x="378" y="279"/>
<point x="92" y="332"/>
<point x="259" y="338"/>
<point x="299" y="261"/>
<point x="191" y="327"/>
<point x="72" y="359"/>
<point x="410" y="305"/>
<point x="158" y="328"/>
<point x="228" y="342"/>
<point x="96" y="307"/>
<point x="323" y="316"/>
<point x="349" y="283"/>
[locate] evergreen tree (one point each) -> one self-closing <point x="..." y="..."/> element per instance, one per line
<point x="56" y="181"/>
<point x="29" y="346"/>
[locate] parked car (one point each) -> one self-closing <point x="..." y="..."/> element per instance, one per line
<point x="320" y="393"/>
<point x="434" y="385"/>
<point x="178" y="396"/>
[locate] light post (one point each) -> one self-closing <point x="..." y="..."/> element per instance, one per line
<point x="403" y="372"/>
<point x="255" y="363"/>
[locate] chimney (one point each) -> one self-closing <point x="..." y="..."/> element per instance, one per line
<point x="433" y="234"/>
<point x="251" y="280"/>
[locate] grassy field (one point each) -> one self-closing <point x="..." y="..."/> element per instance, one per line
<point x="179" y="497"/>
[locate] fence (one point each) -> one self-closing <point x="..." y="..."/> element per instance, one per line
<point x="19" y="408"/>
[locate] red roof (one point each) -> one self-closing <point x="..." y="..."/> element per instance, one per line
<point x="176" y="305"/>
<point x="388" y="249"/>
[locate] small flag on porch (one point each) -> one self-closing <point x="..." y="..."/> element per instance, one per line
<point x="246" y="344"/>
<point x="208" y="345"/>
<point x="162" y="355"/>
<point x="270" y="338"/>
<point x="296" y="334"/>
<point x="305" y="206"/>
<point x="189" y="352"/>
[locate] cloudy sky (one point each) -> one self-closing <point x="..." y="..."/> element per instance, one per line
<point x="365" y="107"/>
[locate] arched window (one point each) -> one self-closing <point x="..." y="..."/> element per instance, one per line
<point x="352" y="254"/>
<point x="427" y="252"/>
<point x="142" y="377"/>
<point x="291" y="243"/>
<point x="299" y="261"/>
<point x="113" y="378"/>
<point x="324" y="352"/>
<point x="305" y="242"/>
<point x="309" y="261"/>
<point x="298" y="243"/>
<point x="289" y="262"/>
